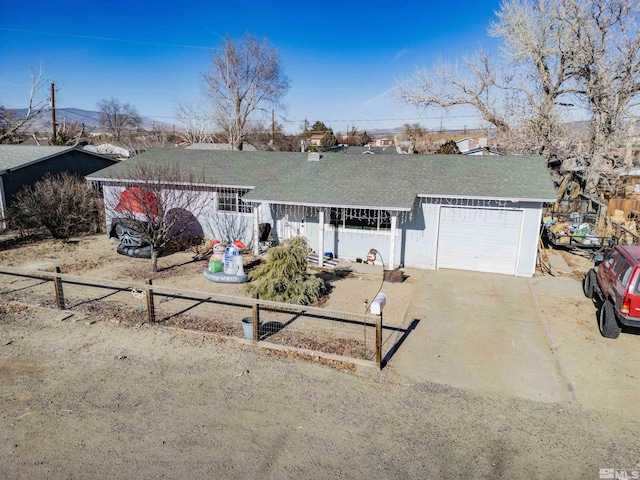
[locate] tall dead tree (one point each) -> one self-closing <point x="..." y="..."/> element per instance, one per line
<point x="117" y="117"/>
<point x="245" y="78"/>
<point x="557" y="55"/>
<point x="13" y="124"/>
<point x="197" y="126"/>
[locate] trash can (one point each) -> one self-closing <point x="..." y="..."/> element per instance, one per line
<point x="247" y="327"/>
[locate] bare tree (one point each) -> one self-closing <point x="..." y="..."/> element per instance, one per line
<point x="140" y="142"/>
<point x="12" y="124"/>
<point x="118" y="118"/>
<point x="450" y="85"/>
<point x="68" y="133"/>
<point x="245" y="78"/>
<point x="230" y="227"/>
<point x="414" y="130"/>
<point x="556" y="54"/>
<point x="606" y="65"/>
<point x="162" y="203"/>
<point x="197" y="126"/>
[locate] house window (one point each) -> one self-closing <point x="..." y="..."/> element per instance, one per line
<point x="360" y="219"/>
<point x="231" y="202"/>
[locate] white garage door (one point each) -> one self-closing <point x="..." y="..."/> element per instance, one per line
<point x="479" y="239"/>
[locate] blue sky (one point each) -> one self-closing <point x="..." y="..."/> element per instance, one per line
<point x="341" y="57"/>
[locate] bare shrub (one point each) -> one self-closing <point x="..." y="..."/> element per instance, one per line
<point x="64" y="204"/>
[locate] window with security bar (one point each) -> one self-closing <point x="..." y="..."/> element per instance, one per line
<point x="230" y="201"/>
<point x="360" y="219"/>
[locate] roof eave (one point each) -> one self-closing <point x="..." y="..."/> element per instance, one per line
<point x="328" y="205"/>
<point x="128" y="180"/>
<point x="37" y="160"/>
<point x="479" y="197"/>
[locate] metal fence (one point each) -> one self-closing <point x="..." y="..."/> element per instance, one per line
<point x="351" y="335"/>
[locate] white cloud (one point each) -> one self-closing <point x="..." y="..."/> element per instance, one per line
<point x="375" y="99"/>
<point x="400" y="54"/>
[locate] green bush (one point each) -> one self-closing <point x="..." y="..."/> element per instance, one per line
<point x="63" y="204"/>
<point x="284" y="277"/>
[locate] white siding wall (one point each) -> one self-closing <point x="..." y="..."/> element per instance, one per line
<point x="421" y="236"/>
<point x="417" y="239"/>
<point x="349" y="244"/>
<point x="206" y="218"/>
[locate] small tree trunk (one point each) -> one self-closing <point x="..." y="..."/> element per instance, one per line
<point x="154" y="260"/>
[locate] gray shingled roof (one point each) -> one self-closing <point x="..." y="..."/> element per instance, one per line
<point x="389" y="150"/>
<point x="18" y="156"/>
<point x="383" y="181"/>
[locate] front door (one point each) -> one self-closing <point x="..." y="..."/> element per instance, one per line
<point x="293" y="225"/>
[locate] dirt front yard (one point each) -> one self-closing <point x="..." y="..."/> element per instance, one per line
<point x="100" y="400"/>
<point x="100" y="396"/>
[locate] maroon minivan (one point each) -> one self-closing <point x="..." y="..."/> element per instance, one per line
<point x="615" y="283"/>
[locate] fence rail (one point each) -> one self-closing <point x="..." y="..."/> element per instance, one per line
<point x="360" y="335"/>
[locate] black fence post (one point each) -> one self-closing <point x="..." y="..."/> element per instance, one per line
<point x="255" y="310"/>
<point x="57" y="285"/>
<point x="151" y="310"/>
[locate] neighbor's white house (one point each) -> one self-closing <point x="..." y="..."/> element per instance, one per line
<point x="420" y="211"/>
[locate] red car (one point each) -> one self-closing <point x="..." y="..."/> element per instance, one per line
<point x="615" y="283"/>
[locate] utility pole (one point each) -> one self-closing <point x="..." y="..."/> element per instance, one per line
<point x="273" y="127"/>
<point x="53" y="110"/>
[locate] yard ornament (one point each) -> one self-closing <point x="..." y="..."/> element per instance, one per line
<point x="227" y="267"/>
<point x="136" y="206"/>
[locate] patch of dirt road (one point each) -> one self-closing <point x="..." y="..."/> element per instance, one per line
<point x="108" y="396"/>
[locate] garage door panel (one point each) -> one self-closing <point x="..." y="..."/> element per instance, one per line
<point x="484" y="240"/>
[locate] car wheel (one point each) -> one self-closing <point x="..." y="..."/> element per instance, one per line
<point x="588" y="283"/>
<point x="609" y="327"/>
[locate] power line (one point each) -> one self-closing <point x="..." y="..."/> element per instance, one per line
<point x="69" y="110"/>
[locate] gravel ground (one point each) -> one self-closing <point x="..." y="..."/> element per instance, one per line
<point x="94" y="399"/>
<point x="101" y="394"/>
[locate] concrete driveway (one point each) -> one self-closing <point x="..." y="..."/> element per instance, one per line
<point x="502" y="336"/>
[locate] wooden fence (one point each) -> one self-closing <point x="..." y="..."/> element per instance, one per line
<point x="366" y="321"/>
<point x="630" y="207"/>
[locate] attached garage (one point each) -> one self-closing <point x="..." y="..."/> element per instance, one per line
<point x="479" y="239"/>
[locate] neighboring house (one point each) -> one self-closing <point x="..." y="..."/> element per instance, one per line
<point x="467" y="143"/>
<point x="481" y="151"/>
<point x="428" y="211"/>
<point x="108" y="149"/>
<point x="22" y="165"/>
<point x="383" y="142"/>
<point x="316" y="140"/>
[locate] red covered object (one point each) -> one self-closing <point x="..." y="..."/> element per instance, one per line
<point x="137" y="200"/>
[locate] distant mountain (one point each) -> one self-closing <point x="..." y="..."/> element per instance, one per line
<point x="89" y="118"/>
